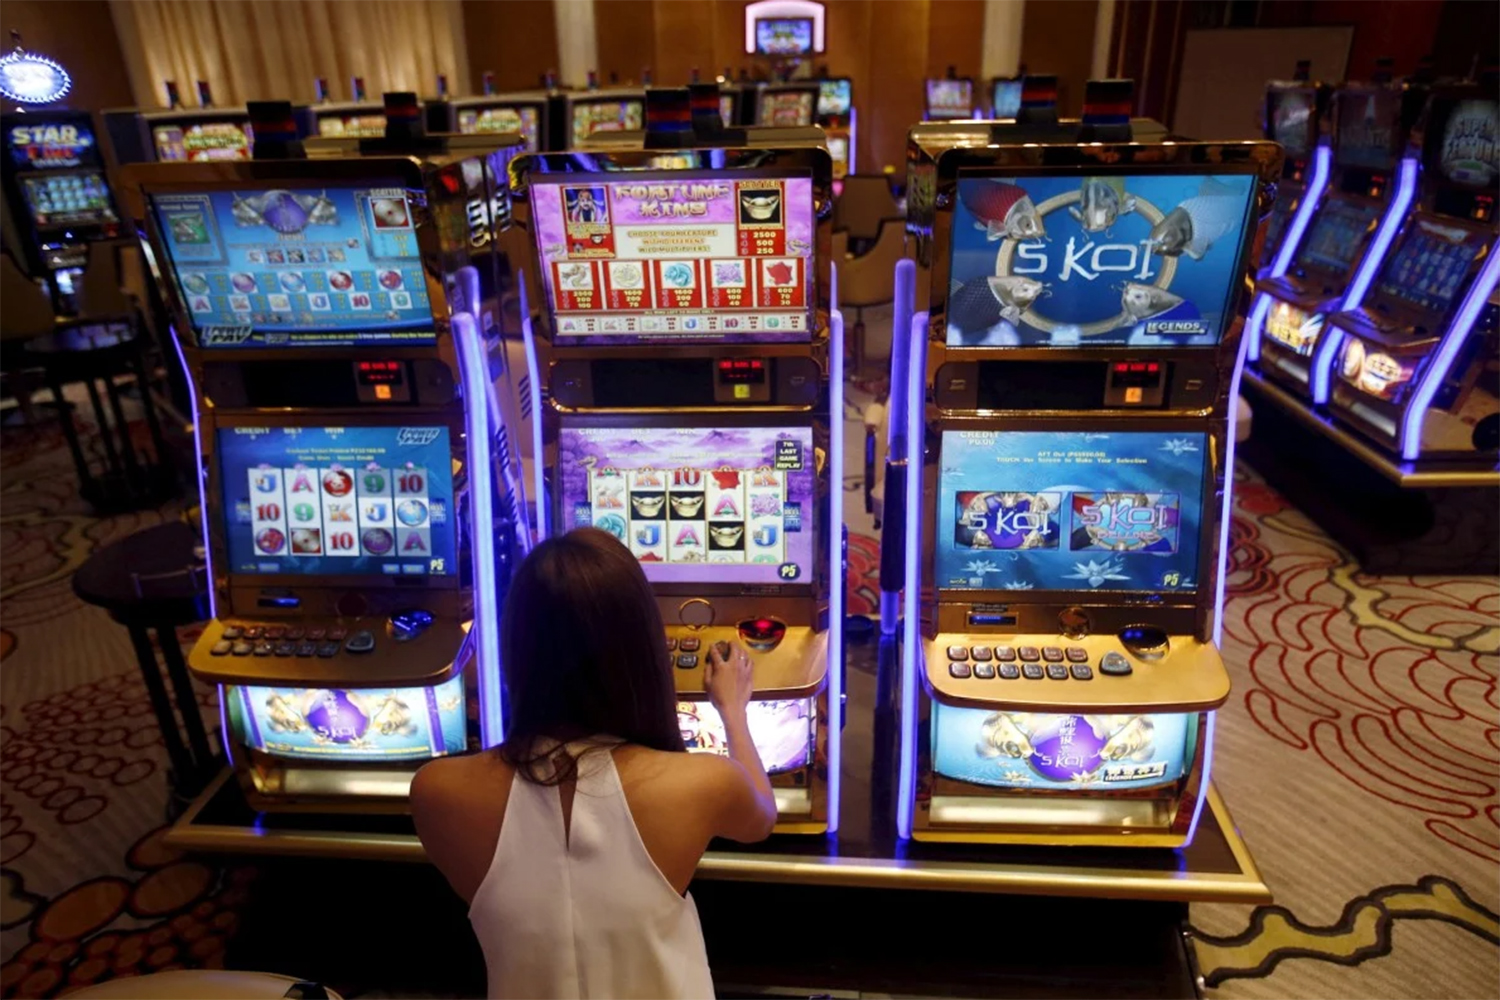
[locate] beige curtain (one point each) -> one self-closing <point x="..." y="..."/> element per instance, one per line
<point x="252" y="50"/>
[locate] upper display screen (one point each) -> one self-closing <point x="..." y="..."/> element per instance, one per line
<point x="320" y="501"/>
<point x="1127" y="259"/>
<point x="1369" y="133"/>
<point x="502" y="118"/>
<point x="1293" y="123"/>
<point x="1033" y="510"/>
<point x="76" y="198"/>
<point x="1337" y="234"/>
<point x="1468" y="154"/>
<point x="950" y="98"/>
<point x="371" y="126"/>
<point x="786" y="108"/>
<point x="314" y="267"/>
<point x="52" y="145"/>
<point x="606" y="116"/>
<point x="730" y="505"/>
<point x="727" y="109"/>
<point x="1005" y="100"/>
<point x="677" y="258"/>
<point x="1429" y="265"/>
<point x="784" y="36"/>
<point x="835" y="97"/>
<point x="202" y="141"/>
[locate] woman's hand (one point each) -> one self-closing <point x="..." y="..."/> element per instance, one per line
<point x="727" y="678"/>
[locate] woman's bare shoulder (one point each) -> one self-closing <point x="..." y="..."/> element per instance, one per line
<point x="700" y="770"/>
<point x="467" y="784"/>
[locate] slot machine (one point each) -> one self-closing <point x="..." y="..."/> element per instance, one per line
<point x="180" y="135"/>
<point x="1415" y="363"/>
<point x="836" y="116"/>
<point x="56" y="190"/>
<point x="1005" y="97"/>
<point x="695" y="367"/>
<point x="577" y="115"/>
<point x="360" y="505"/>
<point x="523" y="112"/>
<point x="947" y="98"/>
<point x="1293" y="116"/>
<point x="359" y="118"/>
<point x="1370" y="189"/>
<point x="1068" y="447"/>
<point x="788" y="105"/>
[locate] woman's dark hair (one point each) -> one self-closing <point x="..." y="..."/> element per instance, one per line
<point x="584" y="654"/>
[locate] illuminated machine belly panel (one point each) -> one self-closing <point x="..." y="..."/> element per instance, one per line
<point x="364" y="725"/>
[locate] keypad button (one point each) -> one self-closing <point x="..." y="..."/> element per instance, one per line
<point x="307" y="648"/>
<point x="1057" y="671"/>
<point x="1114" y="664"/>
<point x="982" y="653"/>
<point x="687" y="661"/>
<point x="959" y="669"/>
<point x="327" y="649"/>
<point x="1052" y="654"/>
<point x="295" y="633"/>
<point x="264" y="649"/>
<point x="1031" y="653"/>
<point x="958" y="653"/>
<point x="1082" y="672"/>
<point x="1009" y="671"/>
<point x="1033" y="671"/>
<point x="232" y="632"/>
<point x="360" y="642"/>
<point x="274" y="632"/>
<point x="317" y="634"/>
<point x="1076" y="654"/>
<point x="337" y="634"/>
<point x="671" y="644"/>
<point x="286" y="648"/>
<point x="984" y="671"/>
<point x="690" y="645"/>
<point x="1005" y="654"/>
<point x="252" y="632"/>
<point x="221" y="648"/>
<point x="242" y="649"/>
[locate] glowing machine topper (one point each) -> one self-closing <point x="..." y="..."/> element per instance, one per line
<point x="28" y="78"/>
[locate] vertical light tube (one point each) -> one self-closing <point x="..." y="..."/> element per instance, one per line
<point x="837" y="579"/>
<point x="911" y="651"/>
<point x="1208" y="766"/>
<point x="853" y="135"/>
<point x="534" y="391"/>
<point x="1256" y="324"/>
<point x="895" y="417"/>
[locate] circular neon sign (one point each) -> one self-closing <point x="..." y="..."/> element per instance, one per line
<point x="28" y="78"/>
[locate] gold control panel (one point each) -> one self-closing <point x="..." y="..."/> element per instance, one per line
<point x="1048" y="672"/>
<point x="794" y="668"/>
<point x="314" y="652"/>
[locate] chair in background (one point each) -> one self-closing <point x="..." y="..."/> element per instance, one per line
<point x="865" y="281"/>
<point x="25" y="312"/>
<point x="859" y="210"/>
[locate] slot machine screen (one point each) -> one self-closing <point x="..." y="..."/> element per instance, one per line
<point x="370" y="126"/>
<point x="1005" y="99"/>
<point x="1292" y="121"/>
<point x="1064" y="261"/>
<point x="1034" y="750"/>
<point x="1079" y="511"/>
<point x="950" y="98"/>
<point x="503" y="118"/>
<point x="1338" y="234"/>
<point x="783" y="36"/>
<point x="786" y="108"/>
<point x="781" y="731"/>
<point x="726" y="109"/>
<point x="590" y="117"/>
<point x="835" y="97"/>
<point x="201" y="142"/>
<point x="676" y="257"/>
<point x="351" y="724"/>
<point x="1281" y="214"/>
<point x="1293" y="328"/>
<point x="1368" y="134"/>
<point x="52" y="145"/>
<point x="75" y="198"/>
<point x="1467" y="154"/>
<point x="338" y="501"/>
<point x="705" y="505"/>
<point x="1428" y="268"/>
<point x="297" y="267"/>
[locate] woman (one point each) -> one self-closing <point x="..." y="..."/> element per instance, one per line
<point x="574" y="841"/>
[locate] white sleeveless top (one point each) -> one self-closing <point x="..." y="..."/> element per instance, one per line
<point x="585" y="913"/>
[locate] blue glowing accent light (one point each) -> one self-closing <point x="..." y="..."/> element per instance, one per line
<point x="1327" y="350"/>
<point x="28" y="78"/>
<point x="1208" y="764"/>
<point x="534" y="390"/>
<point x="1311" y="195"/>
<point x="1442" y="360"/>
<point x="837" y="578"/>
<point x="1256" y="325"/>
<point x="911" y="639"/>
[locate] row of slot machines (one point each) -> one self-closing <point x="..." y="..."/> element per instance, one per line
<point x="953" y="97"/>
<point x="414" y="358"/>
<point x="1375" y="299"/>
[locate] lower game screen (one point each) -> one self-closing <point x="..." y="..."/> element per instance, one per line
<point x="781" y="731"/>
<point x="696" y="504"/>
<point x="1035" y="750"/>
<point x="1063" y="261"/>
<point x="1337" y="234"/>
<point x="367" y="724"/>
<point x="338" y="500"/>
<point x="1429" y="265"/>
<point x="69" y="199"/>
<point x="501" y="119"/>
<point x="1033" y="510"/>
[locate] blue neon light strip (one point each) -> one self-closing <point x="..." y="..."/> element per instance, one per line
<point x="1208" y="766"/>
<point x="1256" y="324"/>
<point x="895" y="415"/>
<point x="1311" y="195"/>
<point x="911" y="651"/>
<point x="836" y="577"/>
<point x="1369" y="266"/>
<point x="1442" y="361"/>
<point x="475" y="374"/>
<point x="534" y="389"/>
<point x="854" y="143"/>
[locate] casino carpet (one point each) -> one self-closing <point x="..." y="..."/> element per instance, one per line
<point x="1359" y="754"/>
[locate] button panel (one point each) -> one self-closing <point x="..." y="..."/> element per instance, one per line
<point x="286" y="641"/>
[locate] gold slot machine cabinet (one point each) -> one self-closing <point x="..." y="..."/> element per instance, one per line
<point x="694" y="370"/>
<point x="1070" y="448"/>
<point x="333" y="317"/>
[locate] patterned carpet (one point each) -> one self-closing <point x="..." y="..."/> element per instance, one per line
<point x="1359" y="754"/>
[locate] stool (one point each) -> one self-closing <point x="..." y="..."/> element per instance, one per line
<point x="205" y="984"/>
<point x="91" y="352"/>
<point x="156" y="579"/>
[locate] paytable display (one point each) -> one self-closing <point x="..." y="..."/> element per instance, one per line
<point x="366" y="725"/>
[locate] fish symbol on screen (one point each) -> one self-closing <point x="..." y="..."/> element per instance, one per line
<point x="1100" y="202"/>
<point x="1003" y="210"/>
<point x="1144" y="301"/>
<point x="1194" y="226"/>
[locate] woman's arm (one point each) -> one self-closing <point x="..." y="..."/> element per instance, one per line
<point x="748" y="810"/>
